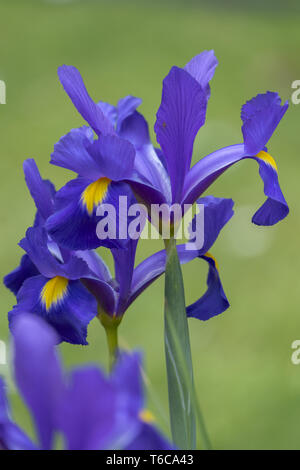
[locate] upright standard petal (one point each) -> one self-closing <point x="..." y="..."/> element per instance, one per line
<point x="38" y="373"/>
<point x="42" y="191"/>
<point x="147" y="163"/>
<point x="202" y="68"/>
<point x="109" y="111"/>
<point x="126" y="107"/>
<point x="73" y="84"/>
<point x="180" y="116"/>
<point x="124" y="265"/>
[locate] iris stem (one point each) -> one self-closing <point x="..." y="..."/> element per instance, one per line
<point x="110" y="324"/>
<point x="113" y="347"/>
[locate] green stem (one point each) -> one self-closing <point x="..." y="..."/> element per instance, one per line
<point x="111" y="324"/>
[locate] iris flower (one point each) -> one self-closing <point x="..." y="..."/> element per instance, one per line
<point x="162" y="175"/>
<point x="56" y="292"/>
<point x="47" y="281"/>
<point x="64" y="286"/>
<point x="104" y="167"/>
<point x="88" y="409"/>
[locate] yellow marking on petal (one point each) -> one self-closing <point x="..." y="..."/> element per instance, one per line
<point x="54" y="291"/>
<point x="208" y="255"/>
<point x="146" y="416"/>
<point x="95" y="193"/>
<point x="266" y="157"/>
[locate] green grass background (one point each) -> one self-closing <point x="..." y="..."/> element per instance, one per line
<point x="247" y="386"/>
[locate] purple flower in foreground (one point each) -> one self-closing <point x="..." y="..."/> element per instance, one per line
<point x="89" y="409"/>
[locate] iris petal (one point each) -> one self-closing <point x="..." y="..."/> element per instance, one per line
<point x="11" y="436"/>
<point x="69" y="317"/>
<point x="42" y="191"/>
<point x="15" y="278"/>
<point x="73" y="84"/>
<point x="74" y="227"/>
<point x="153" y="267"/>
<point x="87" y="414"/>
<point x="147" y="163"/>
<point x="202" y="68"/>
<point x="126" y="107"/>
<point x="38" y="373"/>
<point x="149" y="438"/>
<point x="207" y="170"/>
<point x="217" y="212"/>
<point x="180" y="116"/>
<point x="214" y="301"/>
<point x="44" y="255"/>
<point x="261" y="115"/>
<point x="114" y="156"/>
<point x="71" y="152"/>
<point x="124" y="266"/>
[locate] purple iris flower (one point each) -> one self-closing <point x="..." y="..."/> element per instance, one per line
<point x="64" y="286"/>
<point x="122" y="153"/>
<point x="164" y="175"/>
<point x="103" y="166"/>
<point x="182" y="113"/>
<point x="47" y="281"/>
<point x="114" y="296"/>
<point x="90" y="410"/>
<point x="56" y="292"/>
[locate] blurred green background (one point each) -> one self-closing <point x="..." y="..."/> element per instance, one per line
<point x="247" y="386"/>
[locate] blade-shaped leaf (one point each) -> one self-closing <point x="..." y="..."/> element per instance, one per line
<point x="183" y="403"/>
<point x="182" y="412"/>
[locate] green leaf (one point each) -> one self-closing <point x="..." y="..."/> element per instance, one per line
<point x="183" y="403"/>
<point x="182" y="414"/>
